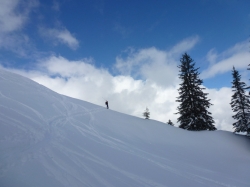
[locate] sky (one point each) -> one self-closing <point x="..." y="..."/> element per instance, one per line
<point x="127" y="52"/>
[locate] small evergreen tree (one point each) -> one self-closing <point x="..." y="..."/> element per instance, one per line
<point x="240" y="103"/>
<point x="146" y="113"/>
<point x="170" y="123"/>
<point x="193" y="102"/>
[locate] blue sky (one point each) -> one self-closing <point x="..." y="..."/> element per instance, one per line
<point x="122" y="49"/>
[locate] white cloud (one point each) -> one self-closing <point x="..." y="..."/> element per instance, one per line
<point x="149" y="64"/>
<point x="14" y="15"/>
<point x="60" y="35"/>
<point x="9" y="19"/>
<point x="19" y="44"/>
<point x="237" y="56"/>
<point x="185" y="45"/>
<point x="221" y="108"/>
<point x="212" y="57"/>
<point x="137" y="61"/>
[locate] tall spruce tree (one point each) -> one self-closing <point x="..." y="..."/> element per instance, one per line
<point x="240" y="103"/>
<point x="193" y="102"/>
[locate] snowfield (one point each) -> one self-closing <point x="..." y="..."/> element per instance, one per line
<point x="50" y="140"/>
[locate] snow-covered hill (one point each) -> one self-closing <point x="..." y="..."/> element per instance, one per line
<point x="50" y="140"/>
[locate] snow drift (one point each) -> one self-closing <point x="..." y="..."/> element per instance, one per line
<point x="50" y="140"/>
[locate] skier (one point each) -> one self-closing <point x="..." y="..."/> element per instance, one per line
<point x="107" y="104"/>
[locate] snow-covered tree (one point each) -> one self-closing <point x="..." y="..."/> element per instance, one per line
<point x="240" y="103"/>
<point x="146" y="113"/>
<point x="170" y="122"/>
<point x="193" y="101"/>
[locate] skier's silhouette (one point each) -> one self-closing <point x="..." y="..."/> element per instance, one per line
<point x="107" y="103"/>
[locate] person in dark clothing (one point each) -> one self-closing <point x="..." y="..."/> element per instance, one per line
<point x="107" y="104"/>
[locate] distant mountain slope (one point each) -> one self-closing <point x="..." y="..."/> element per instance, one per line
<point x="50" y="140"/>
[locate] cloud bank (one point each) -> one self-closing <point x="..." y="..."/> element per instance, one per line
<point x="146" y="78"/>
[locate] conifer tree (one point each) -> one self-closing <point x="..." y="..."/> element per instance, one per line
<point x="146" y="113"/>
<point x="240" y="103"/>
<point x="170" y="122"/>
<point x="193" y="102"/>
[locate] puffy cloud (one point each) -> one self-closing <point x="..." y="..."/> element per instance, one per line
<point x="60" y="35"/>
<point x="151" y="64"/>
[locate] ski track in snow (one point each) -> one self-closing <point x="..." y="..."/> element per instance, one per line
<point x="58" y="121"/>
<point x="72" y="111"/>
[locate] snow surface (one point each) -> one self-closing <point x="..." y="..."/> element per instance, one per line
<point x="50" y="140"/>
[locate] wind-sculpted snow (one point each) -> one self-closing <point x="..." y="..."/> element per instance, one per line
<point x="50" y="140"/>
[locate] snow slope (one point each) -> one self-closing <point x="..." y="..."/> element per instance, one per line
<point x="50" y="140"/>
